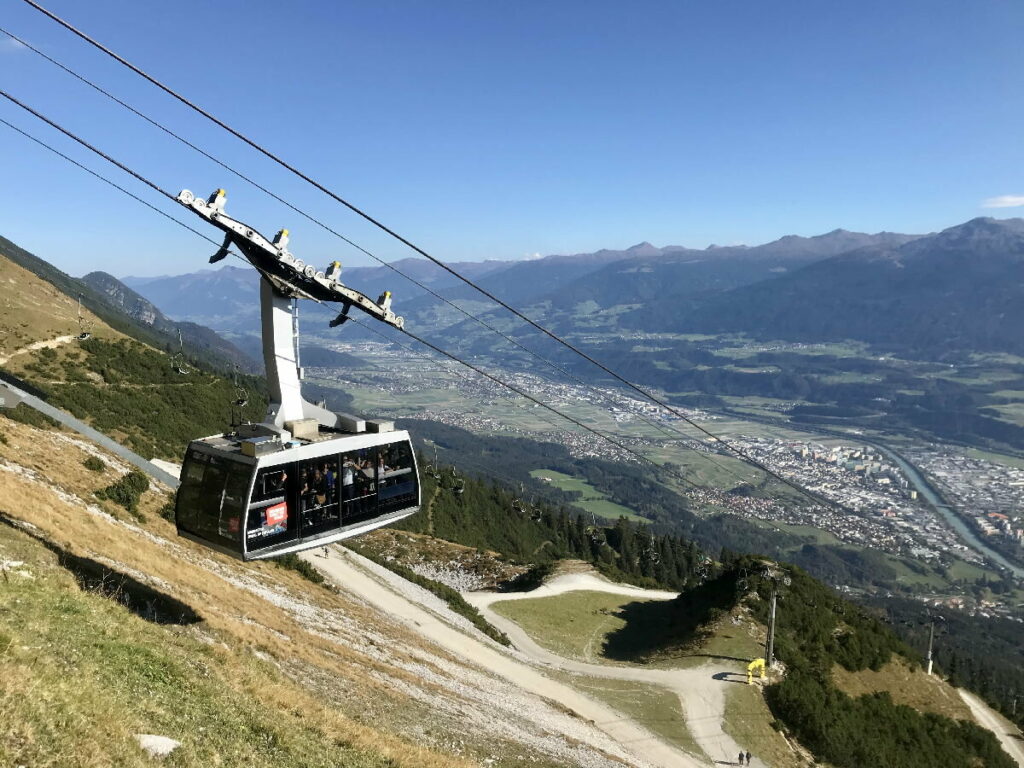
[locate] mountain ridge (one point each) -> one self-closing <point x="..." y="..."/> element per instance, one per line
<point x="194" y="336"/>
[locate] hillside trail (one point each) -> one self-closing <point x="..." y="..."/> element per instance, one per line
<point x="47" y="344"/>
<point x="1009" y="736"/>
<point x="701" y="695"/>
<point x="354" y="574"/>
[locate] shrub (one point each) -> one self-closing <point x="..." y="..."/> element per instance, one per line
<point x="167" y="510"/>
<point x="126" y="491"/>
<point x="94" y="463"/>
<point x="293" y="562"/>
<point x="25" y="415"/>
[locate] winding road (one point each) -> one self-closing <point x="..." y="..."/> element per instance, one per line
<point x="701" y="695"/>
<point x="355" y="575"/>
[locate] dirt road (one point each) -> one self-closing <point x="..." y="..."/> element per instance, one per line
<point x="637" y="744"/>
<point x="701" y="695"/>
<point x="1008" y="735"/>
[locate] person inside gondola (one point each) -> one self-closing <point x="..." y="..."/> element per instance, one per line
<point x="306" y="499"/>
<point x="348" y="478"/>
<point x="331" y="482"/>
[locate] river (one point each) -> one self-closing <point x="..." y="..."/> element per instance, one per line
<point x="913" y="474"/>
<point x="939" y="504"/>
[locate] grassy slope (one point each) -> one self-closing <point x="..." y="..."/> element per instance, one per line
<point x="81" y="675"/>
<point x="573" y="624"/>
<point x="32" y="310"/>
<point x="276" y="672"/>
<point x="906" y="684"/>
<point x="122" y="387"/>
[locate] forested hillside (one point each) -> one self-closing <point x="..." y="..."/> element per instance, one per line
<point x="489" y="516"/>
<point x="816" y="630"/>
<point x="132" y="392"/>
<point x="982" y="653"/>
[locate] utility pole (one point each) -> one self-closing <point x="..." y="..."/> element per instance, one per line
<point x="769" y="656"/>
<point x="931" y="639"/>
<point x="775" y="577"/>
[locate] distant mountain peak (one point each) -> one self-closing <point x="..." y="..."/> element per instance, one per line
<point x="986" y="231"/>
<point x="643" y="249"/>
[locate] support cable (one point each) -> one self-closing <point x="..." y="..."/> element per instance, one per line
<point x="770" y="523"/>
<point x="669" y="431"/>
<point x="384" y="228"/>
<point x="421" y="340"/>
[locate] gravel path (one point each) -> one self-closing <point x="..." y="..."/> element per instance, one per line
<point x="635" y="744"/>
<point x="701" y="695"/>
<point x="48" y="344"/>
<point x="1008" y="735"/>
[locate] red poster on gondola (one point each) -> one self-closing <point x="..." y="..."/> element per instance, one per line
<point x="278" y="514"/>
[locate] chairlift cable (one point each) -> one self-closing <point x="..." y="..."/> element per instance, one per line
<point x="380" y="225"/>
<point x="411" y="335"/>
<point x="196" y="232"/>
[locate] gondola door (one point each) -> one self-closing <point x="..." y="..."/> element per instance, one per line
<point x="358" y="485"/>
<point x="318" y="496"/>
<point x="272" y="517"/>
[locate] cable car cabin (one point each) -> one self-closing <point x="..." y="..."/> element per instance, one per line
<point x="293" y="496"/>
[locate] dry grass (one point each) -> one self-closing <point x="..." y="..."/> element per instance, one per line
<point x="906" y="686"/>
<point x="32" y="310"/>
<point x="222" y="591"/>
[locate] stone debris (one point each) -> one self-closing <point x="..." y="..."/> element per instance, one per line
<point x="157" y="746"/>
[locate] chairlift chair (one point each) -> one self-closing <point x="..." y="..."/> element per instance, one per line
<point x="458" y="483"/>
<point x="517" y="502"/>
<point x="178" y="358"/>
<point x="84" y="324"/>
<point x="241" y="395"/>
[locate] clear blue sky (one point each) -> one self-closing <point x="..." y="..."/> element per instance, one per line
<point x="504" y="129"/>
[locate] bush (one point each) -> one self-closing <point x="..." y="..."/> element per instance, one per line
<point x="94" y="463"/>
<point x="25" y="415"/>
<point x="293" y="562"/>
<point x="167" y="510"/>
<point x="127" y="491"/>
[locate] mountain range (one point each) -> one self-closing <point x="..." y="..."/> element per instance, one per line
<point x="956" y="289"/>
<point x="226" y="299"/>
<point x="960" y="289"/>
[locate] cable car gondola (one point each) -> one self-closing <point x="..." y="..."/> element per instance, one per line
<point x="305" y="476"/>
